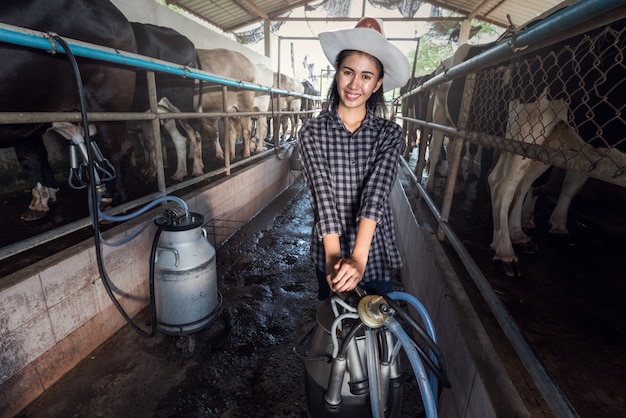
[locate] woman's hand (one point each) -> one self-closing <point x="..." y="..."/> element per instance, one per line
<point x="347" y="274"/>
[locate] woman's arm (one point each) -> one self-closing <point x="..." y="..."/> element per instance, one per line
<point x="348" y="272"/>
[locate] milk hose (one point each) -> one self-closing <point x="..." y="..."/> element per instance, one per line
<point x="373" y="361"/>
<point x="94" y="187"/>
<point x="430" y="328"/>
<point x="418" y="368"/>
<point x="437" y="363"/>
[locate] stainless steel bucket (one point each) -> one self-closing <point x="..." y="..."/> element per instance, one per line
<point x="185" y="282"/>
<point x="315" y="349"/>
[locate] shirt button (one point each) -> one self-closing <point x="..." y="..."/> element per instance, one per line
<point x="353" y="162"/>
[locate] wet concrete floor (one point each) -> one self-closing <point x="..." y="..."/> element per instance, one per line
<point x="243" y="364"/>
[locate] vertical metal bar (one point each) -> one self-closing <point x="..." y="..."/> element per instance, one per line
<point x="227" y="139"/>
<point x="423" y="142"/>
<point x="454" y="160"/>
<point x="156" y="132"/>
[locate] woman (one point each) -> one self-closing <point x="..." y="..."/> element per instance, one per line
<point x="349" y="157"/>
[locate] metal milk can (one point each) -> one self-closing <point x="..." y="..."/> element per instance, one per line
<point x="185" y="276"/>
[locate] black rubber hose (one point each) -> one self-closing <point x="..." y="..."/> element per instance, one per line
<point x="94" y="197"/>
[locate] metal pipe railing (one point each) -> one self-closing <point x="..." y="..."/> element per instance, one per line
<point x="39" y="40"/>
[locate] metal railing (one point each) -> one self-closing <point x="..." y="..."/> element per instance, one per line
<point x="31" y="39"/>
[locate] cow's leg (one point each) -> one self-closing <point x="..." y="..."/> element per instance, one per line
<point x="33" y="158"/>
<point x="440" y="116"/>
<point x="262" y="133"/>
<point x="180" y="145"/>
<point x="146" y="139"/>
<point x="572" y="184"/>
<point x="472" y="150"/>
<point x="503" y="182"/>
<point x="518" y="236"/>
<point x="211" y="127"/>
<point x="486" y="163"/>
<point x="195" y="148"/>
<point x="246" y="123"/>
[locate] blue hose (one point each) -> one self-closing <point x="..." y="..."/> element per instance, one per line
<point x="428" y="323"/>
<point x="419" y="307"/>
<point x="428" y="398"/>
<point x="143" y="210"/>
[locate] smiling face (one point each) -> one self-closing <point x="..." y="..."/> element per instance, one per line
<point x="358" y="77"/>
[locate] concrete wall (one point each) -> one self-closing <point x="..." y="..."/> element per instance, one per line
<point x="148" y="11"/>
<point x="55" y="312"/>
<point x="480" y="385"/>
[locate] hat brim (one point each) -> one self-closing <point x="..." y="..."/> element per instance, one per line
<point x="370" y="41"/>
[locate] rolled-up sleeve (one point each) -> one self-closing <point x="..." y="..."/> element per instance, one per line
<point x="318" y="175"/>
<point x="378" y="183"/>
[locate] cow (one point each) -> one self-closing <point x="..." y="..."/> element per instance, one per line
<point x="262" y="100"/>
<point x="415" y="107"/>
<point x="233" y="65"/>
<point x="308" y="104"/>
<point x="38" y="81"/>
<point x="286" y="103"/>
<point x="580" y="108"/>
<point x="446" y="111"/>
<point x="175" y="94"/>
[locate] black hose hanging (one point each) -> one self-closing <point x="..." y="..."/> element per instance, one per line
<point x="94" y="200"/>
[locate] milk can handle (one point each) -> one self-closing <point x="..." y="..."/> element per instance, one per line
<point x="176" y="255"/>
<point x="301" y="343"/>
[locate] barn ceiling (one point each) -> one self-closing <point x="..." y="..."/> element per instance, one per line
<point x="234" y="15"/>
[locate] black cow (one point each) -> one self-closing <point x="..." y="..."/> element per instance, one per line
<point x="37" y="81"/>
<point x="168" y="45"/>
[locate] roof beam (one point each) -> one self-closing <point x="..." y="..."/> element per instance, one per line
<point x="251" y="6"/>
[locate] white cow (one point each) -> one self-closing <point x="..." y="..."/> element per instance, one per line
<point x="180" y="142"/>
<point x="236" y="66"/>
<point x="544" y="122"/>
<point x="286" y="103"/>
<point x="262" y="100"/>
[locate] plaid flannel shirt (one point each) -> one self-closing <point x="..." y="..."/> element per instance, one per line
<point x="350" y="176"/>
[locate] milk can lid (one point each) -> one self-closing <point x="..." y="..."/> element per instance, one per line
<point x="191" y="221"/>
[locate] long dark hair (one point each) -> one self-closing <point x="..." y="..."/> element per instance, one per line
<point x="376" y="102"/>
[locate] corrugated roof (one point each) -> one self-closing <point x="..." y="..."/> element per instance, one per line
<point x="233" y="15"/>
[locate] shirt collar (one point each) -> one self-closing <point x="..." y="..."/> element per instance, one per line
<point x="369" y="121"/>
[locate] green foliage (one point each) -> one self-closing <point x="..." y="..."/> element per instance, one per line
<point x="432" y="51"/>
<point x="436" y="47"/>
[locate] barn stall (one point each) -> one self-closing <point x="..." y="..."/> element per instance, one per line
<point x="545" y="297"/>
<point x="410" y="241"/>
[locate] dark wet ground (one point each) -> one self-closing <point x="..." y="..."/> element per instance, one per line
<point x="243" y="364"/>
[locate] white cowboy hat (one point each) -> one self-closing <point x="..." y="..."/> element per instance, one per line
<point x="368" y="36"/>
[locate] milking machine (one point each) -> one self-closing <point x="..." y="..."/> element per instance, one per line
<point x="352" y="357"/>
<point x="183" y="276"/>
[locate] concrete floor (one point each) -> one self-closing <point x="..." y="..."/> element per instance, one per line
<point x="243" y="364"/>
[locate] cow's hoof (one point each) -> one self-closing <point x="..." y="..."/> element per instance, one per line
<point x="33" y="215"/>
<point x="510" y="268"/>
<point x="528" y="247"/>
